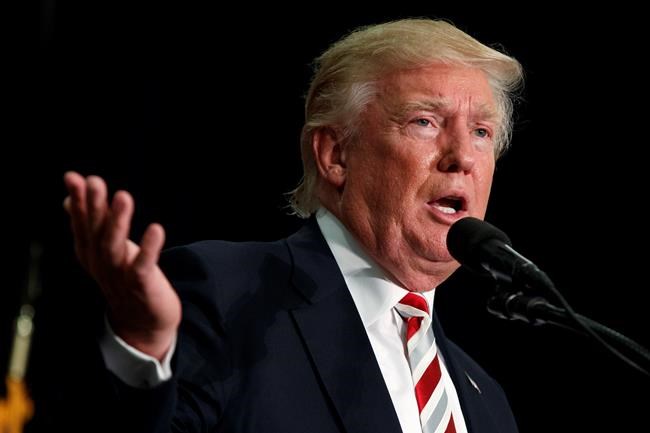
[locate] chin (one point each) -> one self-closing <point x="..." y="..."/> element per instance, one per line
<point x="444" y="264"/>
<point x="435" y="248"/>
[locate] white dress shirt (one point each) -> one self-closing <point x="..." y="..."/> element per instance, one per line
<point x="374" y="296"/>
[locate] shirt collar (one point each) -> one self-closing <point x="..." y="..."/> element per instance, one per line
<point x="374" y="294"/>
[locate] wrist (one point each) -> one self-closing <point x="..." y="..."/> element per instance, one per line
<point x="155" y="343"/>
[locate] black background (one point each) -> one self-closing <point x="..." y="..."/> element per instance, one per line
<point x="197" y="111"/>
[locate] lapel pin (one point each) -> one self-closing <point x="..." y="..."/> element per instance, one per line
<point x="473" y="383"/>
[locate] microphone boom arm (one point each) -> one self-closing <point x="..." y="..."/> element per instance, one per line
<point x="537" y="310"/>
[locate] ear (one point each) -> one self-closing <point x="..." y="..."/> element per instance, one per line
<point x="329" y="154"/>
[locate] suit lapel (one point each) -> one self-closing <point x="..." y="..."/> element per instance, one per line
<point x="475" y="410"/>
<point x="336" y="339"/>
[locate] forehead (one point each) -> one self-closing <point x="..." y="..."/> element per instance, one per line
<point x="445" y="87"/>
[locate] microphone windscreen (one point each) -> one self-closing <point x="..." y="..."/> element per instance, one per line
<point x="467" y="235"/>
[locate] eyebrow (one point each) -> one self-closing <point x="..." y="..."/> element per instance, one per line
<point x="482" y="112"/>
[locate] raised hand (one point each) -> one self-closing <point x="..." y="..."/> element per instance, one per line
<point x="143" y="308"/>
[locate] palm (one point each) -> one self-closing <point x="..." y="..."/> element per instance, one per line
<point x="153" y="305"/>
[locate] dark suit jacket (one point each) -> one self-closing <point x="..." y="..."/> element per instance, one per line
<point x="271" y="341"/>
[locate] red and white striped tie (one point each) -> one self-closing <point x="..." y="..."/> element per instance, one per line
<point x="430" y="393"/>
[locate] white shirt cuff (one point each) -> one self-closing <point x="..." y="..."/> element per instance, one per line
<point x="133" y="367"/>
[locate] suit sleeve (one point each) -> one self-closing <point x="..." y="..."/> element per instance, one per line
<point x="195" y="397"/>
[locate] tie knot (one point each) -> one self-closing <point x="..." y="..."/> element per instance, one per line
<point x="413" y="305"/>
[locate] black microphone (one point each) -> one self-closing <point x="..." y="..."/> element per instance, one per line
<point x="481" y="247"/>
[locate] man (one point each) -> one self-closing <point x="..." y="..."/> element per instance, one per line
<point x="329" y="330"/>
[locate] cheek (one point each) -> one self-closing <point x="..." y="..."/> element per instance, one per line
<point x="483" y="183"/>
<point x="371" y="185"/>
<point x="409" y="180"/>
<point x="389" y="174"/>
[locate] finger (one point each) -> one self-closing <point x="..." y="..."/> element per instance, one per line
<point x="73" y="180"/>
<point x="97" y="206"/>
<point x="118" y="226"/>
<point x="150" y="247"/>
<point x="76" y="185"/>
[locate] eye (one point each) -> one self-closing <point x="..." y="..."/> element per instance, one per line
<point x="482" y="132"/>
<point x="422" y="128"/>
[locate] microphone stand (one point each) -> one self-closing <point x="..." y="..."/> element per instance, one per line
<point x="511" y="302"/>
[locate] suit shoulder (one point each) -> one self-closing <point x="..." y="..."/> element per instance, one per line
<point x="223" y="257"/>
<point x="226" y="276"/>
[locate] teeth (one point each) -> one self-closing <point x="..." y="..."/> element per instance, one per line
<point x="445" y="209"/>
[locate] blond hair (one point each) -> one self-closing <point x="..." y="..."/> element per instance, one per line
<point x="344" y="82"/>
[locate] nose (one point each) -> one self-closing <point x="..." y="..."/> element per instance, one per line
<point x="457" y="151"/>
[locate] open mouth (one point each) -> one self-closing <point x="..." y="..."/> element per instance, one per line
<point x="450" y="205"/>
